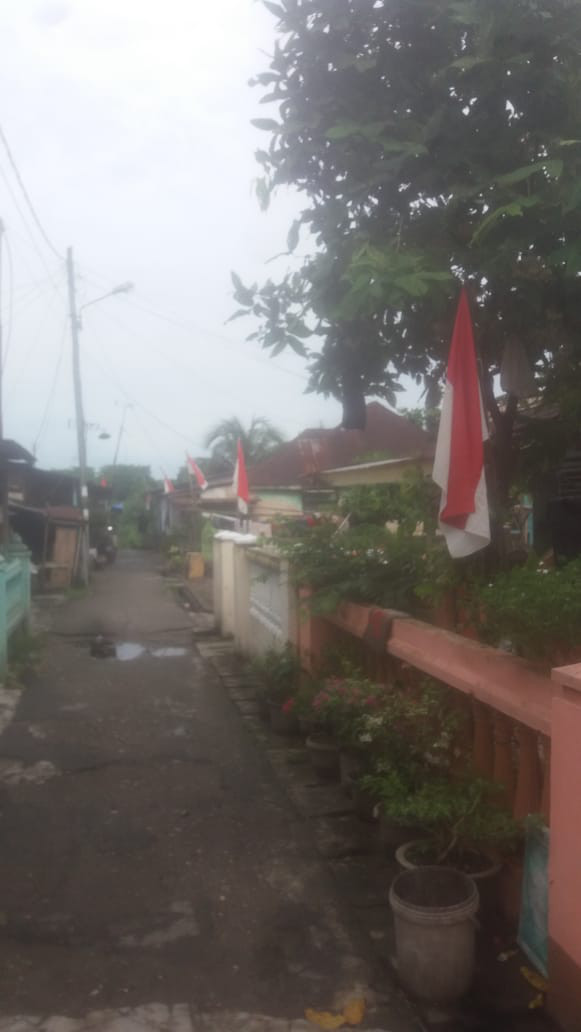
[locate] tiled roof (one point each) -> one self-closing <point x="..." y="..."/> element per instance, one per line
<point x="313" y="451"/>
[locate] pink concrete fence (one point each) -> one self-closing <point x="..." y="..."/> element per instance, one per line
<point x="525" y="734"/>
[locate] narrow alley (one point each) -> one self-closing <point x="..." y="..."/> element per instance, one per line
<point x="153" y="872"/>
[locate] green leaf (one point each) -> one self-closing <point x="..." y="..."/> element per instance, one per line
<point x="279" y="12"/>
<point x="512" y="209"/>
<point x="268" y="124"/>
<point x="293" y="235"/>
<point x="263" y="194"/>
<point x="365" y="64"/>
<point x="552" y="167"/>
<point x="465" y="64"/>
<point x="244" y="295"/>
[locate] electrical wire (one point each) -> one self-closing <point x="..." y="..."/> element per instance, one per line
<point x="52" y="390"/>
<point x="8" y="335"/>
<point x="26" y="196"/>
<point x="189" y="325"/>
<point x="26" y="225"/>
<point x="177" y="363"/>
<point x="108" y="373"/>
<point x="34" y="340"/>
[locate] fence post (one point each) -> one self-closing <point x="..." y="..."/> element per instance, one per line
<point x="565" y="853"/>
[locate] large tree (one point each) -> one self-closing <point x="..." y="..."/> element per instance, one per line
<point x="434" y="141"/>
<point x="259" y="438"/>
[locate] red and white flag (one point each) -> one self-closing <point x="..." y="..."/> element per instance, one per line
<point x="241" y="482"/>
<point x="195" y="471"/>
<point x="459" y="461"/>
<point x="168" y="487"/>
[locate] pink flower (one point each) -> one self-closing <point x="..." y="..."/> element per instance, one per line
<point x="289" y="705"/>
<point x="371" y="701"/>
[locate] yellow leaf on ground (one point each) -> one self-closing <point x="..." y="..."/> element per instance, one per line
<point x="537" y="981"/>
<point x="354" y="1011"/>
<point x="324" y="1019"/>
<point x="537" y="1002"/>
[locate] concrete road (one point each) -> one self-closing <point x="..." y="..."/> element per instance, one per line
<point x="148" y="859"/>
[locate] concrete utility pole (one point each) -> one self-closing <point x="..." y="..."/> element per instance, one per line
<point x="80" y="420"/>
<point x="1" y="338"/>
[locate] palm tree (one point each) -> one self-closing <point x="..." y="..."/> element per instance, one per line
<point x="258" y="440"/>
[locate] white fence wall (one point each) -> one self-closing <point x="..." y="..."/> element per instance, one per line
<point x="254" y="600"/>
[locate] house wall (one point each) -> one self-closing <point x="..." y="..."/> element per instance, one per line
<point x="390" y="473"/>
<point x="276" y="503"/>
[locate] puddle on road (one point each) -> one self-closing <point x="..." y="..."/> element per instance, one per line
<point x="126" y="651"/>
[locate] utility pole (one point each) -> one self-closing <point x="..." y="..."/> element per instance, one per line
<point x="126" y="406"/>
<point x="5" y="528"/>
<point x="1" y="338"/>
<point x="80" y="420"/>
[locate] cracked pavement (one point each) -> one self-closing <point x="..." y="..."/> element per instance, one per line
<point x="154" y="873"/>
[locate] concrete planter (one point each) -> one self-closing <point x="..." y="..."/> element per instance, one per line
<point x="324" y="754"/>
<point x="433" y="909"/>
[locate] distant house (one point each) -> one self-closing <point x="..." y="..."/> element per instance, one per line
<point x="172" y="513"/>
<point x="44" y="512"/>
<point x="307" y="473"/>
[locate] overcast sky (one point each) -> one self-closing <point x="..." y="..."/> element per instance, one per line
<point x="130" y="123"/>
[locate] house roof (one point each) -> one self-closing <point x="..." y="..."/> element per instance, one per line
<point x="11" y="451"/>
<point x="314" y="451"/>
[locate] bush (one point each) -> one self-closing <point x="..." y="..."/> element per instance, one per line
<point x="278" y="672"/>
<point x="535" y="609"/>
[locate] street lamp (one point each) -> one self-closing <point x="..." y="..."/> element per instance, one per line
<point x="122" y="288"/>
<point x="76" y="326"/>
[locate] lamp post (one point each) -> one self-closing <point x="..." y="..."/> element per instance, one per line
<point x="76" y="326"/>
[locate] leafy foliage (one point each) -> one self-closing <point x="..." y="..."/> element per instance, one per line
<point x="422" y="778"/>
<point x="258" y="440"/>
<point x="432" y="140"/>
<point x="536" y="609"/>
<point x="278" y="672"/>
<point x="127" y="480"/>
<point x="365" y="564"/>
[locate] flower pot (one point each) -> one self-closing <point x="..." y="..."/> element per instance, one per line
<point x="489" y="869"/>
<point x="434" y="910"/>
<point x="363" y="804"/>
<point x="392" y="836"/>
<point x="280" y="722"/>
<point x="307" y="726"/>
<point x="324" y="754"/>
<point x="352" y="763"/>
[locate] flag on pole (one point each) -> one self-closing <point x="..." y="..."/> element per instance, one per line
<point x="459" y="462"/>
<point x="195" y="472"/>
<point x="241" y="482"/>
<point x="168" y="487"/>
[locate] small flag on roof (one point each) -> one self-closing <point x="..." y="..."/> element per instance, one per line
<point x="241" y="482"/>
<point x="195" y="472"/>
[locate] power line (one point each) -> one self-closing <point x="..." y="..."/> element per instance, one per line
<point x="26" y="225"/>
<point x="114" y="378"/>
<point x="52" y="389"/>
<point x="189" y="325"/>
<point x="173" y="361"/>
<point x="26" y="196"/>
<point x="8" y="339"/>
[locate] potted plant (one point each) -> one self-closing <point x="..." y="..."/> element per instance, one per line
<point x="278" y="673"/>
<point x="463" y="824"/>
<point x="347" y="700"/>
